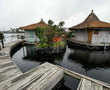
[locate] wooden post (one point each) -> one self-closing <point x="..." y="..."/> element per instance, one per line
<point x="24" y="51"/>
<point x="89" y="36"/>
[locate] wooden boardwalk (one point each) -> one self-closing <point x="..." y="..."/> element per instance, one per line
<point x="43" y="77"/>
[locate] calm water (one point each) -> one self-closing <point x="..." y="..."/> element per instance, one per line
<point x="9" y="37"/>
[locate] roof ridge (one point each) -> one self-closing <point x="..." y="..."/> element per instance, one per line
<point x="92" y="17"/>
<point x="92" y="21"/>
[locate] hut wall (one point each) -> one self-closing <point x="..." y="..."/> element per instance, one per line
<point x="30" y="36"/>
<point x="100" y="37"/>
<point x="81" y="35"/>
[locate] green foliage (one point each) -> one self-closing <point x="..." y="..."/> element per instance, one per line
<point x="50" y="22"/>
<point x="61" y="23"/>
<point x="46" y="35"/>
<point x="42" y="45"/>
<point x="71" y="34"/>
<point x="61" y="44"/>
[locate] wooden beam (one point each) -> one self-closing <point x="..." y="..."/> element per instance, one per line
<point x="89" y="36"/>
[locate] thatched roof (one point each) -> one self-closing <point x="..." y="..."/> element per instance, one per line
<point x="34" y="26"/>
<point x="91" y="22"/>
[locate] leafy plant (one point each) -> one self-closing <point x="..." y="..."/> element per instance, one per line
<point x="46" y="35"/>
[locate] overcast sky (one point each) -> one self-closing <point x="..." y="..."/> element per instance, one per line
<point x="15" y="13"/>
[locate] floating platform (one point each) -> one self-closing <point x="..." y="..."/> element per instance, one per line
<point x="85" y="45"/>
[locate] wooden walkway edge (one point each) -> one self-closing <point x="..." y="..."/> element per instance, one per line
<point x="87" y="83"/>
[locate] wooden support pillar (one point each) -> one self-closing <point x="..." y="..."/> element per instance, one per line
<point x="89" y="36"/>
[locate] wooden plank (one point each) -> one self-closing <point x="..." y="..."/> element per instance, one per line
<point x="86" y="85"/>
<point x="80" y="83"/>
<point x="48" y="80"/>
<point x="4" y="57"/>
<point x="4" y="60"/>
<point x="96" y="86"/>
<point x="6" y="69"/>
<point x="8" y="74"/>
<point x="6" y="64"/>
<point x="3" y="63"/>
<point x="92" y="86"/>
<point x="89" y="36"/>
<point x="104" y="88"/>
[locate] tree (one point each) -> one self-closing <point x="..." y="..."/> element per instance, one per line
<point x="50" y="22"/>
<point x="61" y="24"/>
<point x="49" y="33"/>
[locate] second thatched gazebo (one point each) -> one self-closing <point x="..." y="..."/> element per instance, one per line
<point x="30" y="35"/>
<point x="92" y="32"/>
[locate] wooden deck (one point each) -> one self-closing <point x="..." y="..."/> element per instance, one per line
<point x="43" y="77"/>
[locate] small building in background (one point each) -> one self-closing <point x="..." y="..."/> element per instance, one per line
<point x="92" y="31"/>
<point x="30" y="34"/>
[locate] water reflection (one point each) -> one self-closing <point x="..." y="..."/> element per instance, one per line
<point x="32" y="54"/>
<point x="95" y="64"/>
<point x="9" y="37"/>
<point x="91" y="59"/>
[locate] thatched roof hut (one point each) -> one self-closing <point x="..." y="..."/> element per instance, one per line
<point x="34" y="26"/>
<point x="92" y="21"/>
<point x="92" y="30"/>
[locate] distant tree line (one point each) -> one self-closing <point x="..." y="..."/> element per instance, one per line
<point x="13" y="30"/>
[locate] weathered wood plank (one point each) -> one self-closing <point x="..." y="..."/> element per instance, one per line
<point x="80" y="83"/>
<point x="86" y="85"/>
<point x="4" y="57"/>
<point x="48" y="80"/>
<point x="8" y="74"/>
<point x="104" y="88"/>
<point x="6" y="64"/>
<point x="6" y="69"/>
<point x="96" y="86"/>
<point x="3" y="63"/>
<point x="4" y="60"/>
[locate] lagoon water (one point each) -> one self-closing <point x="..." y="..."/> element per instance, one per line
<point x="95" y="64"/>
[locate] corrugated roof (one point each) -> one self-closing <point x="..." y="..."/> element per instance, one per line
<point x="92" y="21"/>
<point x="34" y="26"/>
